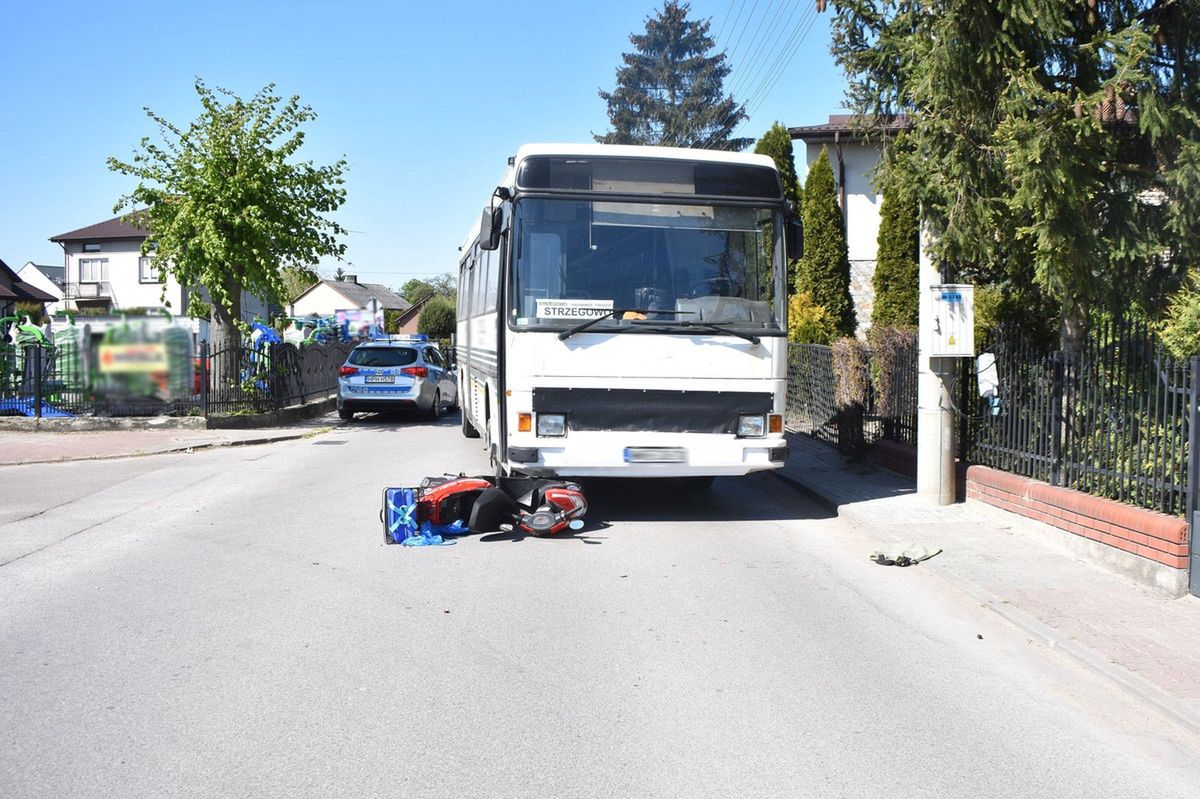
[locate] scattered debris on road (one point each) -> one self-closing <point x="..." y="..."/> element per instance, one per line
<point x="911" y="555"/>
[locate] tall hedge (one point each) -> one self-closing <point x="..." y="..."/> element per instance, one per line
<point x="825" y="268"/>
<point x="437" y="318"/>
<point x="777" y="144"/>
<point x="896" y="278"/>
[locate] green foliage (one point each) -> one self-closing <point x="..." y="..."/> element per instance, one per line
<point x="1052" y="142"/>
<point x="777" y="143"/>
<point x="808" y="323"/>
<point x="824" y="270"/>
<point x="670" y="91"/>
<point x="198" y="308"/>
<point x="339" y="275"/>
<point x="34" y="310"/>
<point x="437" y="319"/>
<point x="416" y="289"/>
<point x="1180" y="329"/>
<point x="896" y="281"/>
<point x="391" y="320"/>
<point x="226" y="204"/>
<point x="297" y="280"/>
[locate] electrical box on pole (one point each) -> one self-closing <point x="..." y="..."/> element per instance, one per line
<point x="952" y="334"/>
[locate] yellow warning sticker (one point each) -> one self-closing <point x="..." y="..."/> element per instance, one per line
<point x="951" y="341"/>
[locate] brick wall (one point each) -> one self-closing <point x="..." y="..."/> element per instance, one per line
<point x="1156" y="536"/>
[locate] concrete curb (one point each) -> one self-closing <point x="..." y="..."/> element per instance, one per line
<point x="182" y="448"/>
<point x="89" y="424"/>
<point x="288" y="415"/>
<point x="1121" y="677"/>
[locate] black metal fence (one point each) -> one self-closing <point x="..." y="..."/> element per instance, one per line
<point x="1113" y="419"/>
<point x="889" y="404"/>
<point x="64" y="380"/>
<point x="267" y="376"/>
<point x="811" y="408"/>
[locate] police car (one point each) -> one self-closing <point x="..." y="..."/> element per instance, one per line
<point x="394" y="373"/>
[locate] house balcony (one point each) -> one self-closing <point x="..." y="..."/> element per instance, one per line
<point x="89" y="291"/>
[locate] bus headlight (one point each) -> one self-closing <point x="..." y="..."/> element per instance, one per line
<point x="751" y="426"/>
<point x="551" y="424"/>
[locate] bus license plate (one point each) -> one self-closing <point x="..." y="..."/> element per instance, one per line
<point x="381" y="379"/>
<point x="655" y="455"/>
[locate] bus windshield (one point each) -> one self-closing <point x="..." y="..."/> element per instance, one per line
<point x="673" y="262"/>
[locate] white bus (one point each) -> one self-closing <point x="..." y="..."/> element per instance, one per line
<point x="621" y="312"/>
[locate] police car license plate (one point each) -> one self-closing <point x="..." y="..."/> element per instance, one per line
<point x="381" y="379"/>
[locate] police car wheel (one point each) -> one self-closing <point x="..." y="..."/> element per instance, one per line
<point x="346" y="414"/>
<point x="435" y="410"/>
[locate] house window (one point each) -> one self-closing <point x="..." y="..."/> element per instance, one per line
<point x="147" y="271"/>
<point x="92" y="247"/>
<point x="93" y="270"/>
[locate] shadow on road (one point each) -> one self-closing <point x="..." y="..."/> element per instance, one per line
<point x="759" y="497"/>
<point x="397" y="421"/>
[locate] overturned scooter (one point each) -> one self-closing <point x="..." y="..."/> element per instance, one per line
<point x="540" y="507"/>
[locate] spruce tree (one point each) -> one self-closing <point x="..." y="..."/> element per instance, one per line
<point x="1051" y="143"/>
<point x="896" y="280"/>
<point x="824" y="270"/>
<point x="671" y="90"/>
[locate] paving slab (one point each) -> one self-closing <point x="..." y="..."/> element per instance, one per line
<point x="1143" y="640"/>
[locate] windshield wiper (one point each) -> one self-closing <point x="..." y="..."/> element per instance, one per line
<point x="715" y="327"/>
<point x="582" y="326"/>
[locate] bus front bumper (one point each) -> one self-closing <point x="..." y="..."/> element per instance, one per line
<point x="647" y="455"/>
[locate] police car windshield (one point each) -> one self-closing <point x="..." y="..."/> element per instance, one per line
<point x="383" y="356"/>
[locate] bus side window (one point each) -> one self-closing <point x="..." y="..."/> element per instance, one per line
<point x="481" y="268"/>
<point x="464" y="274"/>
<point x="492" y="286"/>
<point x="470" y="288"/>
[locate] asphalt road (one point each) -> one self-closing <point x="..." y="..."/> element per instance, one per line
<point x="230" y="623"/>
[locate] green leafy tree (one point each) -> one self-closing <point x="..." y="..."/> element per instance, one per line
<point x="227" y="205"/>
<point x="417" y="289"/>
<point x="824" y="271"/>
<point x="1053" y="142"/>
<point x="896" y="280"/>
<point x="297" y="280"/>
<point x="437" y="318"/>
<point x="671" y="89"/>
<point x="339" y="275"/>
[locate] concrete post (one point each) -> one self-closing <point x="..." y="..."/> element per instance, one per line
<point x="935" y="417"/>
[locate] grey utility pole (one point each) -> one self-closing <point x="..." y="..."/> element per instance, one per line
<point x="935" y="415"/>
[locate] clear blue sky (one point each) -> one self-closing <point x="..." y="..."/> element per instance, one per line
<point x="426" y="101"/>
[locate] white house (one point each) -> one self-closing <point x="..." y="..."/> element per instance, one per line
<point x="853" y="159"/>
<point x="104" y="270"/>
<point x="49" y="279"/>
<point x="326" y="297"/>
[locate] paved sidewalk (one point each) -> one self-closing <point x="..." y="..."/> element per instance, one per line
<point x="47" y="447"/>
<point x="1146" y="642"/>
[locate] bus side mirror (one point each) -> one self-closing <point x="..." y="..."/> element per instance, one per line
<point x="489" y="228"/>
<point x="794" y="238"/>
